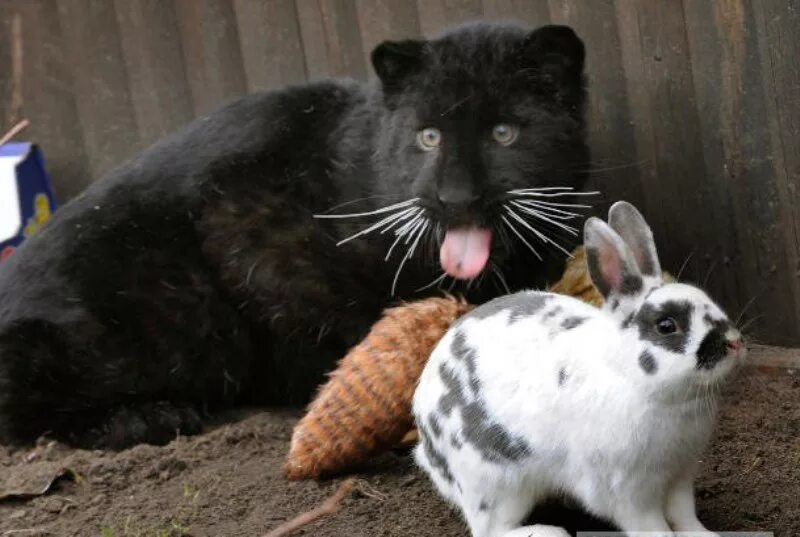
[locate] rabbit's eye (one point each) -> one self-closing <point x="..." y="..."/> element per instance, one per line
<point x="666" y="325"/>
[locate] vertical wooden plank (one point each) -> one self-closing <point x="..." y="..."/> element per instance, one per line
<point x="667" y="130"/>
<point x="723" y="49"/>
<point x="436" y="15"/>
<point x="272" y="48"/>
<point x="45" y="86"/>
<point x="532" y="13"/>
<point x="331" y="39"/>
<point x="94" y="54"/>
<point x="777" y="24"/>
<point x="719" y="69"/>
<point x="211" y="52"/>
<point x="385" y="20"/>
<point x="154" y="61"/>
<point x="615" y="161"/>
<point x="10" y="46"/>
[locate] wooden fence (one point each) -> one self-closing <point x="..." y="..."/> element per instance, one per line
<point x="695" y="104"/>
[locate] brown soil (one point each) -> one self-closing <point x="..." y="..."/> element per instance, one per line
<point x="228" y="482"/>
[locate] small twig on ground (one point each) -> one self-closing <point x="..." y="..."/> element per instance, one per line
<point x="328" y="507"/>
<point x="368" y="491"/>
<point x="16" y="129"/>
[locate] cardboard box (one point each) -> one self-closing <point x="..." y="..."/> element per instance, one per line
<point x="26" y="194"/>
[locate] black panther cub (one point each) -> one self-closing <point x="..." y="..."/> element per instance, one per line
<point x="197" y="275"/>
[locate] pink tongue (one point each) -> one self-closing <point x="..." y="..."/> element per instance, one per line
<point x="465" y="252"/>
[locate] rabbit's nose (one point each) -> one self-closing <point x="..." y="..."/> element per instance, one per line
<point x="734" y="345"/>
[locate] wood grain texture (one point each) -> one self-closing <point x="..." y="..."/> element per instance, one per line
<point x="661" y="90"/>
<point x="154" y="61"/>
<point x="211" y="52"/>
<point x="386" y="20"/>
<point x="93" y="51"/>
<point x="331" y="39"/>
<point x="694" y="106"/>
<point x="531" y="13"/>
<point x="435" y="15"/>
<point x="615" y="161"/>
<point x="272" y="48"/>
<point x="50" y="100"/>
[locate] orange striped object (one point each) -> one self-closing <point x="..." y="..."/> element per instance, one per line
<point x="365" y="406"/>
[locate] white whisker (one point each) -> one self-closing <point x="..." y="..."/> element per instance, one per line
<point x="536" y="232"/>
<point x="404" y="231"/>
<point x="545" y="189"/>
<point x="498" y="273"/>
<point x="391" y="220"/>
<point x="540" y="215"/>
<point x="357" y="200"/>
<point x="409" y="253"/>
<point x="426" y="223"/>
<point x="536" y="194"/>
<point x="554" y="212"/>
<point x="554" y="204"/>
<point x="386" y="209"/>
<point x="434" y="282"/>
<point x="519" y="235"/>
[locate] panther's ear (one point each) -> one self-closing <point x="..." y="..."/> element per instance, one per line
<point x="555" y="52"/>
<point x="395" y="60"/>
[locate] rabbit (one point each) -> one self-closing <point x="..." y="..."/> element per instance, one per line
<point x="536" y="394"/>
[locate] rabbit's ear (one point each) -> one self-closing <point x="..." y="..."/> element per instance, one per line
<point x="611" y="264"/>
<point x="629" y="223"/>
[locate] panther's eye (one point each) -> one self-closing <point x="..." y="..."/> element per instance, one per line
<point x="666" y="325"/>
<point x="429" y="138"/>
<point x="505" y="134"/>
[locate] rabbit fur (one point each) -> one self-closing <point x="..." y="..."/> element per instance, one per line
<point x="536" y="394"/>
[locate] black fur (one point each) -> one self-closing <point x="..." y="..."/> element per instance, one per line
<point x="562" y="377"/>
<point x="572" y="322"/>
<point x="679" y="310"/>
<point x="714" y="346"/>
<point x="519" y="306"/>
<point x="195" y="276"/>
<point x="648" y="362"/>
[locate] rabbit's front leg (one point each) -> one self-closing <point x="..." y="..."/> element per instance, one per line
<point x="634" y="518"/>
<point x="497" y="510"/>
<point x="538" y="530"/>
<point x="680" y="507"/>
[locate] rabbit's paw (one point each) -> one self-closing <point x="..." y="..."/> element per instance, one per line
<point x="538" y="530"/>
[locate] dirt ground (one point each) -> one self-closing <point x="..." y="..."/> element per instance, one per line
<point x="228" y="482"/>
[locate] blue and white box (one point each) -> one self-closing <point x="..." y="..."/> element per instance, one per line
<point x="26" y="194"/>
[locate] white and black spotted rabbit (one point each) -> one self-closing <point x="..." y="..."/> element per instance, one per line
<point x="535" y="394"/>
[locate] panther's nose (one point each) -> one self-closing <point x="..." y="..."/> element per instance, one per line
<point x="457" y="198"/>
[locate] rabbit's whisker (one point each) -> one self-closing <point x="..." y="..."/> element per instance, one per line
<point x="708" y="274"/>
<point x="685" y="264"/>
<point x="746" y="307"/>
